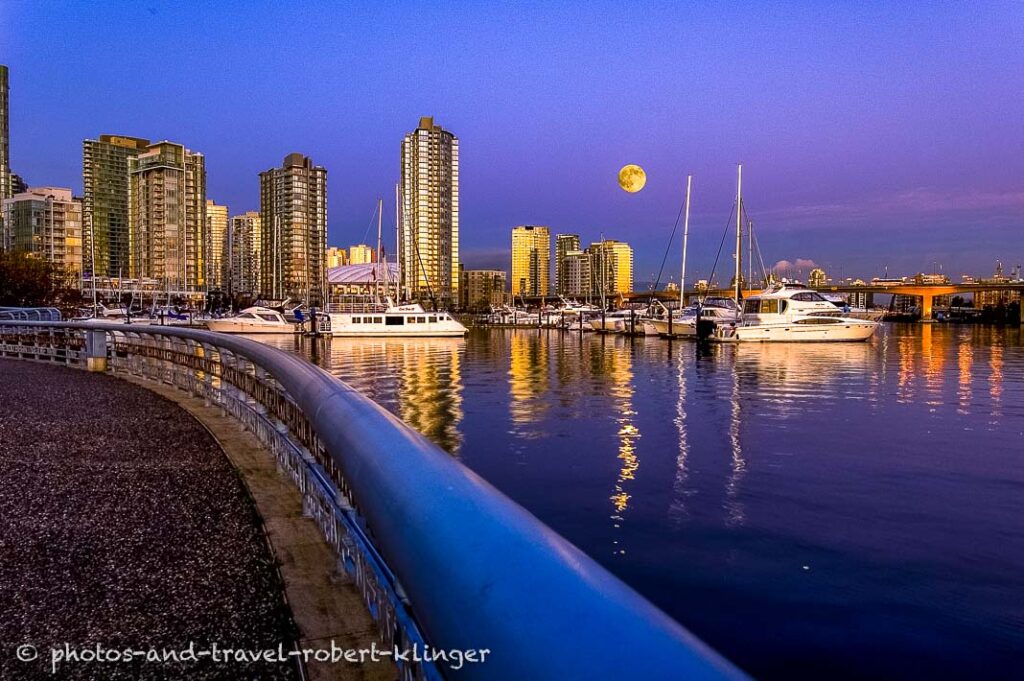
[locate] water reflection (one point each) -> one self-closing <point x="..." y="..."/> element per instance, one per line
<point x="419" y="379"/>
<point x="860" y="461"/>
<point x="965" y="359"/>
<point x="528" y="381"/>
<point x="678" y="510"/>
<point x="995" y="377"/>
<point x="619" y="378"/>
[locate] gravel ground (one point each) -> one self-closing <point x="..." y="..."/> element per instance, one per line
<point x="123" y="524"/>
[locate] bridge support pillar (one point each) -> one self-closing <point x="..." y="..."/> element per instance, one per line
<point x="96" y="351"/>
<point x="927" y="301"/>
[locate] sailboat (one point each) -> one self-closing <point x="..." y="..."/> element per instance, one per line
<point x="384" y="317"/>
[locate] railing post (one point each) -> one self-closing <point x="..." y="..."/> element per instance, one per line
<point x="96" y="350"/>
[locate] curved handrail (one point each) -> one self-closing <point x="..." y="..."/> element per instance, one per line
<point x="478" y="570"/>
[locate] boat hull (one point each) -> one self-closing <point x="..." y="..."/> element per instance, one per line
<point x="235" y="327"/>
<point x="680" y="329"/>
<point x="607" y="326"/>
<point x="850" y="331"/>
<point x="398" y="334"/>
<point x="343" y="325"/>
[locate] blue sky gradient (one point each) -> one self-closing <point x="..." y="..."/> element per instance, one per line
<point x="871" y="134"/>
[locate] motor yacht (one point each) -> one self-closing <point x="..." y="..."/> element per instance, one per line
<point x="791" y="312"/>
<point x="408" y="320"/>
<point x="253" y="320"/>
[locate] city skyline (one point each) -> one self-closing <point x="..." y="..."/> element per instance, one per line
<point x="874" y="155"/>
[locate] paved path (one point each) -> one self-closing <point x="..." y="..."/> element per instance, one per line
<point x="123" y="524"/>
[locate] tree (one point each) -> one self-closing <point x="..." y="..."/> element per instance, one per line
<point x="27" y="281"/>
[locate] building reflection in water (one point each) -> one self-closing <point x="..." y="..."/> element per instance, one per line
<point x="905" y="378"/>
<point x="964" y="362"/>
<point x="995" y="375"/>
<point x="430" y="394"/>
<point x="420" y="379"/>
<point x="528" y="379"/>
<point x="618" y="364"/>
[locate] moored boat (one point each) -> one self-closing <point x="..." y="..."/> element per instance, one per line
<point x="793" y="313"/>
<point x="253" y="320"/>
<point x="715" y="309"/>
<point x="409" y="320"/>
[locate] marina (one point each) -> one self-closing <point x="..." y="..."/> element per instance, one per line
<point x="490" y="342"/>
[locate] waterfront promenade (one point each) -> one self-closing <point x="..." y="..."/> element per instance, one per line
<point x="122" y="522"/>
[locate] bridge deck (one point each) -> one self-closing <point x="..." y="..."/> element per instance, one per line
<point x="122" y="523"/>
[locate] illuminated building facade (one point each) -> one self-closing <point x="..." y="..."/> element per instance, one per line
<point x="360" y="255"/>
<point x="167" y="218"/>
<point x="293" y="212"/>
<point x="611" y="267"/>
<point x="217" y="246"/>
<point x="576" y="274"/>
<point x="244" y="253"/>
<point x="105" y="183"/>
<point x="429" y="245"/>
<point x="531" y="261"/>
<point x="481" y="289"/>
<point x="47" y="223"/>
<point x="564" y="244"/>
<point x="336" y="257"/>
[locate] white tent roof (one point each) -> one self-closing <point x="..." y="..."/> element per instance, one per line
<point x="362" y="274"/>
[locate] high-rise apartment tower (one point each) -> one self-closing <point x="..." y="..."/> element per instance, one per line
<point x="293" y="215"/>
<point x="429" y="245"/>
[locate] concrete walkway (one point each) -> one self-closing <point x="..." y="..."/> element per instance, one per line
<point x="123" y="524"/>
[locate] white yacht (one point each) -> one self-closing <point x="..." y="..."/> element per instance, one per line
<point x="409" y="320"/>
<point x="718" y="310"/>
<point x="616" y="322"/>
<point x="253" y="320"/>
<point x="792" y="312"/>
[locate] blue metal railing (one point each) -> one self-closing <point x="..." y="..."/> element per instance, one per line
<point x="34" y="314"/>
<point x="454" y="562"/>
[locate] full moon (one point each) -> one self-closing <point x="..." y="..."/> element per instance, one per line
<point x="632" y="178"/>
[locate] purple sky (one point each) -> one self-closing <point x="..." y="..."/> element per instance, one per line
<point x="871" y="134"/>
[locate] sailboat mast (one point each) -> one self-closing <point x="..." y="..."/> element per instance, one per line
<point x="739" y="232"/>
<point x="376" y="278"/>
<point x="750" y="252"/>
<point x="686" y="233"/>
<point x="398" y="246"/>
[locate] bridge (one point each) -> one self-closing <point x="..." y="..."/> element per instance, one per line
<point x="926" y="292"/>
<point x="440" y="557"/>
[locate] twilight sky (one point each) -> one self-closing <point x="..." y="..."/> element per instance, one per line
<point x="870" y="133"/>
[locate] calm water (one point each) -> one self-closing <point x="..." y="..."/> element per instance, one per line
<point x="851" y="510"/>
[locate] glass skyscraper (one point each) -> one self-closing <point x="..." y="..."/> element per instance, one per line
<point x="105" y="203"/>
